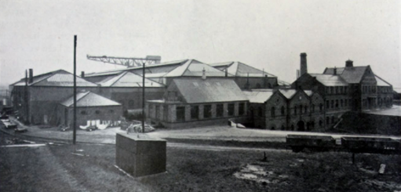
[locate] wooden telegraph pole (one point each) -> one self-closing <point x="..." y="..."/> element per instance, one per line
<point x="74" y="139"/>
<point x="143" y="97"/>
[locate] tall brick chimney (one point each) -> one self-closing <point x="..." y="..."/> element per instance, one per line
<point x="82" y="74"/>
<point x="304" y="66"/>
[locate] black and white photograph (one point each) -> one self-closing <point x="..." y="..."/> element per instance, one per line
<point x="200" y="96"/>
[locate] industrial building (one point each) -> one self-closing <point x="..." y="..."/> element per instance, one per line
<point x="91" y="108"/>
<point x="191" y="102"/>
<point x="348" y="88"/>
<point x="285" y="109"/>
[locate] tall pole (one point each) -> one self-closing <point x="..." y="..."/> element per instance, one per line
<point x="75" y="93"/>
<point x="143" y="98"/>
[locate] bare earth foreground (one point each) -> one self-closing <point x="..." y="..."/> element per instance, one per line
<point x="90" y="167"/>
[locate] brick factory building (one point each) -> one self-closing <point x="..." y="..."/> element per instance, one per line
<point x="191" y="102"/>
<point x="90" y="107"/>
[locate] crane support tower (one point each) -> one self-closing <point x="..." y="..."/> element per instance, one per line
<point x="126" y="61"/>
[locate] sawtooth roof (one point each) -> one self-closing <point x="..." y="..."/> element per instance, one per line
<point x="195" y="68"/>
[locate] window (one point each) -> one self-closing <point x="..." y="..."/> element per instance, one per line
<point x="282" y="127"/>
<point x="337" y="90"/>
<point x="332" y="103"/>
<point x="241" y="109"/>
<point x="300" y="109"/>
<point x="273" y="113"/>
<point x="345" y="102"/>
<point x="282" y="110"/>
<point x="180" y="112"/>
<point x="321" y="107"/>
<point x="97" y="112"/>
<point x="219" y="110"/>
<point x="327" y="104"/>
<point x="337" y="103"/>
<point x="312" y="109"/>
<point x="84" y="113"/>
<point x="320" y="123"/>
<point x="165" y="112"/>
<point x="327" y="90"/>
<point x="332" y="119"/>
<point x="327" y="120"/>
<point x="295" y="110"/>
<point x="111" y="111"/>
<point x="306" y="109"/>
<point x="342" y="102"/>
<point x="207" y="111"/>
<point x="230" y="109"/>
<point x="195" y="112"/>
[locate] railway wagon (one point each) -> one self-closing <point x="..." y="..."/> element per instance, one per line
<point x="315" y="142"/>
<point x="371" y="145"/>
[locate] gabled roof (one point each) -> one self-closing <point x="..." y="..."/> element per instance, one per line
<point x="330" y="80"/>
<point x="351" y="75"/>
<point x="195" y="68"/>
<point x="59" y="78"/>
<point x="89" y="99"/>
<point x="381" y="82"/>
<point x="197" y="90"/>
<point x="259" y="96"/>
<point x="236" y="68"/>
<point x="152" y="68"/>
<point x="128" y="79"/>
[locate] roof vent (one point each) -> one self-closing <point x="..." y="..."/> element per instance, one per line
<point x="349" y="63"/>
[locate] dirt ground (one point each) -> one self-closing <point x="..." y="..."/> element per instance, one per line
<point x="90" y="167"/>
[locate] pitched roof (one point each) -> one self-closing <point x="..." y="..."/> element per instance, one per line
<point x="351" y="75"/>
<point x="330" y="80"/>
<point x="236" y="68"/>
<point x="89" y="99"/>
<point x="59" y="78"/>
<point x="195" y="68"/>
<point x="152" y="68"/>
<point x="197" y="90"/>
<point x="128" y="79"/>
<point x="258" y="96"/>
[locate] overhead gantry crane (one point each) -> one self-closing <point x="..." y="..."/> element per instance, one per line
<point x="126" y="61"/>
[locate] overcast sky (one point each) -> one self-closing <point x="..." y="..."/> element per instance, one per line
<point x="266" y="34"/>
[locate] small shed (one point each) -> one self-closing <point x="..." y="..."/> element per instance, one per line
<point x="92" y="109"/>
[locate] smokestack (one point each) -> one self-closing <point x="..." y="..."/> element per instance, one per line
<point x="26" y="77"/>
<point x="335" y="71"/>
<point x="297" y="73"/>
<point x="349" y="63"/>
<point x="82" y="74"/>
<point x="304" y="67"/>
<point x="203" y="74"/>
<point x="30" y="75"/>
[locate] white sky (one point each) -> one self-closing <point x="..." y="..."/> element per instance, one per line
<point x="265" y="34"/>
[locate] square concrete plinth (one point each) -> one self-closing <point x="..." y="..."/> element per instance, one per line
<point x="140" y="155"/>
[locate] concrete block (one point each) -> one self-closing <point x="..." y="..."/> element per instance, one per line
<point x="140" y="155"/>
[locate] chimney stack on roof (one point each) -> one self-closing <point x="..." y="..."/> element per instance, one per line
<point x="203" y="74"/>
<point x="30" y="76"/>
<point x="349" y="63"/>
<point x="82" y="74"/>
<point x="335" y="71"/>
<point x="304" y="66"/>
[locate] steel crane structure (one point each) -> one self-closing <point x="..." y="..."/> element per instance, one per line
<point x="126" y="61"/>
<point x="131" y="62"/>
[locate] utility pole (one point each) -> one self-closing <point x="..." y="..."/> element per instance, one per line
<point x="143" y="97"/>
<point x="75" y="93"/>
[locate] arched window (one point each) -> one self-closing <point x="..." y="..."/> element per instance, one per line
<point x="273" y="113"/>
<point x="282" y="110"/>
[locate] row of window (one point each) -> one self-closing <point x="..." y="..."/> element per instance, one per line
<point x="337" y="90"/>
<point x="369" y="89"/>
<point x="338" y="103"/>
<point x="384" y="89"/>
<point x="97" y="112"/>
<point x="207" y="111"/>
<point x="301" y="109"/>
